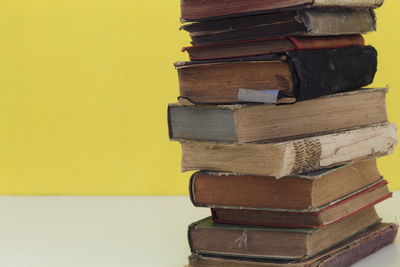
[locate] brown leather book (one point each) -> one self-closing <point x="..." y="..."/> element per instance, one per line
<point x="229" y="240"/>
<point x="270" y="45"/>
<point x="203" y="9"/>
<point x="306" y="192"/>
<point x="325" y="215"/>
<point x="344" y="254"/>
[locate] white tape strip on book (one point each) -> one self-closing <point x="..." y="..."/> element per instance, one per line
<point x="259" y="96"/>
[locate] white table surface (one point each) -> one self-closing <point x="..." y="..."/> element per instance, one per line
<point x="118" y="232"/>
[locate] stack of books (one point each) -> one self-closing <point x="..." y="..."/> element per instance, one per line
<point x="273" y="115"/>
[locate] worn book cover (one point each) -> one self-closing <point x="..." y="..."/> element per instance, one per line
<point x="324" y="215"/>
<point x="344" y="254"/>
<point x="193" y="10"/>
<point x="302" y="75"/>
<point x="294" y="156"/>
<point x="302" y="192"/>
<point x="252" y="123"/>
<point x="311" y="22"/>
<point x="232" y="240"/>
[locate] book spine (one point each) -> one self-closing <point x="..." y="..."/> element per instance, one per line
<point x="364" y="248"/>
<point x="324" y="72"/>
<point x="348" y="3"/>
<point x="202" y="123"/>
<point x="307" y="43"/>
<point x="191" y="190"/>
<point x="341" y="22"/>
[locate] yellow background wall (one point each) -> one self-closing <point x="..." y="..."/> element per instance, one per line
<point x="84" y="87"/>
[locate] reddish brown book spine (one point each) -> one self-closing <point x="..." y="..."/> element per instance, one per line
<point x="303" y="43"/>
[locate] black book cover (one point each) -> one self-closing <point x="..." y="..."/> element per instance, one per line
<point x="328" y="71"/>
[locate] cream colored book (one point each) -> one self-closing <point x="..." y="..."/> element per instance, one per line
<point x="293" y="156"/>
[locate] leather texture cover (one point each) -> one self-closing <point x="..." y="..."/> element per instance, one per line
<point x="324" y="72"/>
<point x="197" y="10"/>
<point x="319" y="72"/>
<point x="344" y="254"/>
<point x="309" y="22"/>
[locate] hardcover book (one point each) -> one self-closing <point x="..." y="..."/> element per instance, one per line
<point x="283" y="158"/>
<point x="344" y="254"/>
<point x="270" y="45"/>
<point x="193" y="10"/>
<point x="305" y="192"/>
<point x="252" y="123"/>
<point x="325" y="215"/>
<point x="311" y="22"/>
<point x="206" y="237"/>
<point x="304" y="74"/>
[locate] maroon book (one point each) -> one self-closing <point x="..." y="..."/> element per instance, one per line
<point x="328" y="214"/>
<point x="331" y="213"/>
<point x="307" y="200"/>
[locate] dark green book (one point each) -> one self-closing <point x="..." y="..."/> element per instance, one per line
<point x="228" y="240"/>
<point x="344" y="254"/>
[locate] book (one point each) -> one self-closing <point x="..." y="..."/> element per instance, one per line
<point x="303" y="75"/>
<point x="325" y="215"/>
<point x="251" y="123"/>
<point x="193" y="10"/>
<point x="345" y="254"/>
<point x="302" y="192"/>
<point x="265" y="46"/>
<point x="310" y="22"/>
<point x="229" y="240"/>
<point x="294" y="156"/>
